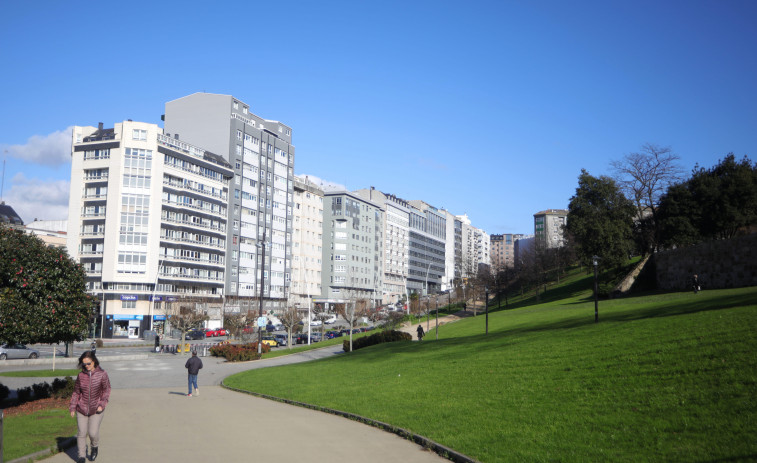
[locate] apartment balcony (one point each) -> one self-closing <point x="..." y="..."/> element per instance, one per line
<point x="185" y="187"/>
<point x="94" y="273"/>
<point x="192" y="260"/>
<point x="194" y="242"/>
<point x="185" y="276"/>
<point x="90" y="253"/>
<point x="201" y="226"/>
<point x="179" y="205"/>
<point x="96" y="178"/>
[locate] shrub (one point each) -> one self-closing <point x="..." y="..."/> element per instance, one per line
<point x="4" y="392"/>
<point x="24" y="394"/>
<point x="42" y="390"/>
<point x="376" y="338"/>
<point x="99" y="342"/>
<point x="239" y="352"/>
<point x="63" y="388"/>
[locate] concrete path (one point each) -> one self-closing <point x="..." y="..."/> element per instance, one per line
<point x="150" y="418"/>
<point x="163" y="425"/>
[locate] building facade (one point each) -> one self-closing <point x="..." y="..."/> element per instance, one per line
<point x="503" y="250"/>
<point x="548" y="227"/>
<point x="260" y="212"/>
<point x="147" y="221"/>
<point x="353" y="247"/>
<point x="427" y="247"/>
<point x="475" y="249"/>
<point x="307" y="242"/>
<point x="396" y="243"/>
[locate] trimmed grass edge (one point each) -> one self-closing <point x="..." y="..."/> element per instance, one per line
<point x="63" y="445"/>
<point x="425" y="442"/>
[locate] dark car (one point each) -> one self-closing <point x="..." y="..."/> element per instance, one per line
<point x="333" y="334"/>
<point x="281" y="339"/>
<point x="194" y="334"/>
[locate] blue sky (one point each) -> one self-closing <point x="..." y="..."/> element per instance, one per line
<point x="489" y="109"/>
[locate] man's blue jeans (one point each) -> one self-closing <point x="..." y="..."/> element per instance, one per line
<point x="192" y="381"/>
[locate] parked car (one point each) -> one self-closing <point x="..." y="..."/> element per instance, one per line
<point x="17" y="351"/>
<point x="333" y="334"/>
<point x="315" y="323"/>
<point x="315" y="337"/>
<point x="194" y="334"/>
<point x="331" y="320"/>
<point x="211" y="332"/>
<point x="271" y="341"/>
<point x="281" y="339"/>
<point x="222" y="332"/>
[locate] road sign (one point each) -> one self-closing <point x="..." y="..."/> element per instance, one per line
<point x="262" y="321"/>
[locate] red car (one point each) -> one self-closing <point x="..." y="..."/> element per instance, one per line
<point x="211" y="332"/>
<point x="222" y="332"/>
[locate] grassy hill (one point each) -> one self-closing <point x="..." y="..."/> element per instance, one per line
<point x="663" y="377"/>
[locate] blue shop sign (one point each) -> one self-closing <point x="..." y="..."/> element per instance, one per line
<point x="127" y="317"/>
<point x="128" y="297"/>
<point x="158" y="317"/>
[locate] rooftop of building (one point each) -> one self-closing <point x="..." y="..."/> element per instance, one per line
<point x="9" y="216"/>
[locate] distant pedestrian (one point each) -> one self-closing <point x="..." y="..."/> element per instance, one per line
<point x="695" y="284"/>
<point x="420" y="333"/>
<point x="157" y="342"/>
<point x="91" y="395"/>
<point x="193" y="366"/>
<point x="93" y="347"/>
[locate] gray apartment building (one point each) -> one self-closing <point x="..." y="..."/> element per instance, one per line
<point x="396" y="247"/>
<point x="353" y="238"/>
<point x="426" y="261"/>
<point x="548" y="227"/>
<point x="261" y="154"/>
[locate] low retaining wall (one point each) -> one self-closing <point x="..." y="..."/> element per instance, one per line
<point x="718" y="264"/>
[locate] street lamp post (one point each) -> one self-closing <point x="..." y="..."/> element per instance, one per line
<point x="260" y="311"/>
<point x="486" y="305"/>
<point x="436" y="306"/>
<point x="595" y="261"/>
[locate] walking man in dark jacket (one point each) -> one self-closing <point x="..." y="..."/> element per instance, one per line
<point x="193" y="366"/>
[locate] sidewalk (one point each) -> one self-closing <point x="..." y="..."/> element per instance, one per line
<point x="163" y="425"/>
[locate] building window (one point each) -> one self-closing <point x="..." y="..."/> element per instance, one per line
<point x="128" y="304"/>
<point x="139" y="134"/>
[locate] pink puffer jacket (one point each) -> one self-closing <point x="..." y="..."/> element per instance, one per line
<point x="91" y="390"/>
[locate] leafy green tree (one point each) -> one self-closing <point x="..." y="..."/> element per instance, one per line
<point x="43" y="296"/>
<point x="713" y="204"/>
<point x="600" y="219"/>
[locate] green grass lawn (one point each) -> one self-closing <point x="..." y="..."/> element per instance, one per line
<point x="73" y="372"/>
<point x="663" y="377"/>
<point x="26" y="434"/>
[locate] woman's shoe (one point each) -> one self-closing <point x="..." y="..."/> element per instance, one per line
<point x="93" y="454"/>
<point x="81" y="460"/>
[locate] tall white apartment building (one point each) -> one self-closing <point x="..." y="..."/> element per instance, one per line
<point x="260" y="214"/>
<point x="475" y="248"/>
<point x="307" y="242"/>
<point x="453" y="251"/>
<point x="147" y="221"/>
<point x="396" y="243"/>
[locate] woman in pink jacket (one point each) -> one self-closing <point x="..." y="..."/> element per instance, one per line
<point x="91" y="394"/>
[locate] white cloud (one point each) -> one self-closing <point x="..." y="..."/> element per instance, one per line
<point x="33" y="198"/>
<point x="51" y="150"/>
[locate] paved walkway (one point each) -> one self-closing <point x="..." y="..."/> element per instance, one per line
<point x="150" y="419"/>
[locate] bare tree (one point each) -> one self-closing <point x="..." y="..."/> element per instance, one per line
<point x="234" y="323"/>
<point x="184" y="316"/>
<point x="644" y="177"/>
<point x="290" y="319"/>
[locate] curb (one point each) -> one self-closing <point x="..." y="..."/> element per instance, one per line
<point x="64" y="445"/>
<point x="439" y="449"/>
<point x="70" y="360"/>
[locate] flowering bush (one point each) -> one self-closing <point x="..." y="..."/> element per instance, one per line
<point x="239" y="352"/>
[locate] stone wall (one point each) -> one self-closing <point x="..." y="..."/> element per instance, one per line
<point x="719" y="264"/>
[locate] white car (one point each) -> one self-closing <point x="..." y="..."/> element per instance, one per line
<point x="315" y="323"/>
<point x="330" y="321"/>
<point x="17" y="351"/>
